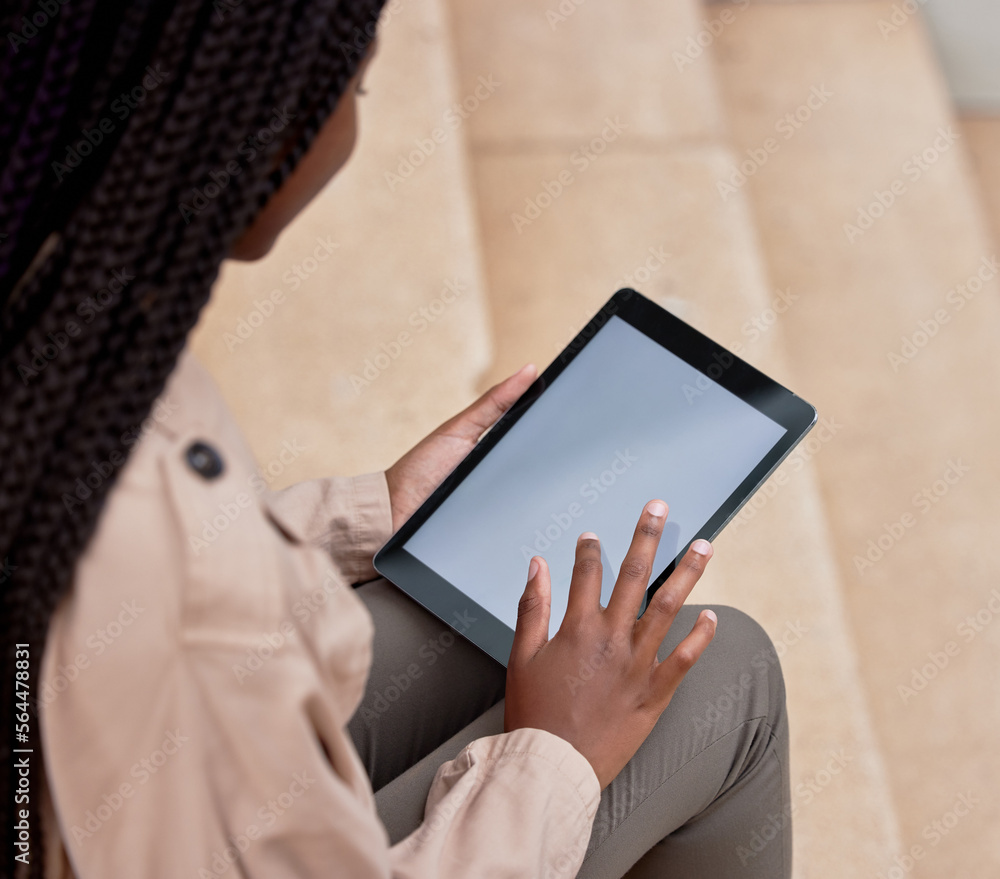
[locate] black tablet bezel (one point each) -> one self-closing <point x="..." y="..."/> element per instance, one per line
<point x="715" y="362"/>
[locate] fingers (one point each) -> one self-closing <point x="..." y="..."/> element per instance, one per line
<point x="585" y="586"/>
<point x="478" y="417"/>
<point x="636" y="570"/>
<point x="652" y="628"/>
<point x="669" y="673"/>
<point x="532" y="628"/>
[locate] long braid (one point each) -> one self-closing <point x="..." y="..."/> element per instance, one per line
<point x="71" y="400"/>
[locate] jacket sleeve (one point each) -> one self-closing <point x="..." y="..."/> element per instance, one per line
<point x="513" y="805"/>
<point x="349" y="517"/>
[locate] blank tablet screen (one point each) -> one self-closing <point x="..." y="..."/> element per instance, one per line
<point x="626" y="421"/>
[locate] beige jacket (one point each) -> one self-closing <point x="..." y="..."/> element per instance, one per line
<point x="198" y="680"/>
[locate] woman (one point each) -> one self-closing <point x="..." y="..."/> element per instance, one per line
<point x="209" y="700"/>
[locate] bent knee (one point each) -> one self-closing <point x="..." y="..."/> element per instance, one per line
<point x="745" y="638"/>
<point x="745" y="644"/>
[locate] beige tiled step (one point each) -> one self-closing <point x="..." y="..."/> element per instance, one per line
<point x="326" y="369"/>
<point x="880" y="339"/>
<point x="647" y="208"/>
<point x="561" y="70"/>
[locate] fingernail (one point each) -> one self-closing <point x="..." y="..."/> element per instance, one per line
<point x="702" y="547"/>
<point x="588" y="535"/>
<point x="656" y="508"/>
<point x="525" y="368"/>
<point x="711" y="615"/>
<point x="532" y="569"/>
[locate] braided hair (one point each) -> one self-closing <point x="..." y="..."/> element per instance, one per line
<point x="139" y="139"/>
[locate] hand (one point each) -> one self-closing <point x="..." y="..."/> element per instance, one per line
<point x="414" y="477"/>
<point x="597" y="682"/>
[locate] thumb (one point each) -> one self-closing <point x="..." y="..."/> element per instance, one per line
<point x="484" y="412"/>
<point x="532" y="628"/>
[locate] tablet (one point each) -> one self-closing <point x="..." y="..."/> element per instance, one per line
<point x="638" y="406"/>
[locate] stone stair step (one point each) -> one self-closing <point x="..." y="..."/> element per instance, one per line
<point x="561" y="72"/>
<point x="884" y="338"/>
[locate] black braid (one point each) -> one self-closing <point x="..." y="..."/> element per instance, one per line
<point x="214" y="72"/>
